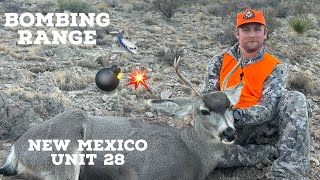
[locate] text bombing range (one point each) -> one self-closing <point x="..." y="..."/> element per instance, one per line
<point x="57" y="20"/>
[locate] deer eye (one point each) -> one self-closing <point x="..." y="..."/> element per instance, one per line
<point x="205" y="112"/>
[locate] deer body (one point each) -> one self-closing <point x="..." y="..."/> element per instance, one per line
<point x="171" y="154"/>
<point x="190" y="153"/>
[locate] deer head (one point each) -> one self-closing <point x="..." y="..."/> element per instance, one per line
<point x="212" y="111"/>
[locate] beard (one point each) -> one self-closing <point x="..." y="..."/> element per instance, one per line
<point x="252" y="46"/>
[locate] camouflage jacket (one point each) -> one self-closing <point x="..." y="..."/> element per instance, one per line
<point x="273" y="87"/>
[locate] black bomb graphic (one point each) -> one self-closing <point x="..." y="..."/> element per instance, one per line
<point x="107" y="79"/>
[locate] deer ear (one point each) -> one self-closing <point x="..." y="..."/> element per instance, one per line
<point x="234" y="93"/>
<point x="177" y="106"/>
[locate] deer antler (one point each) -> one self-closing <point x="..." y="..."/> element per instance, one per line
<point x="176" y="63"/>
<point x="224" y="84"/>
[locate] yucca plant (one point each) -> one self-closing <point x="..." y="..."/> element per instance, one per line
<point x="300" y="24"/>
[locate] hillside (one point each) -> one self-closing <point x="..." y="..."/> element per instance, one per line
<point x="54" y="78"/>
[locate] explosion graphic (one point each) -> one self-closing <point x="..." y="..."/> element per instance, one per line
<point x="138" y="77"/>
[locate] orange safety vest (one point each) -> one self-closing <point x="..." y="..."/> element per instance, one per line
<point x="253" y="78"/>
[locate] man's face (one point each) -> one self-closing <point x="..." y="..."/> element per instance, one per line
<point x="251" y="36"/>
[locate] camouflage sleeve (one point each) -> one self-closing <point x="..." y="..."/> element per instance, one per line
<point x="272" y="90"/>
<point x="212" y="76"/>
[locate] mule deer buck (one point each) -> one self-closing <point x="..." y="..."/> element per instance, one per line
<point x="170" y="153"/>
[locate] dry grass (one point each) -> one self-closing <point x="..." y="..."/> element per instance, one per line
<point x="201" y="16"/>
<point x="46" y="104"/>
<point x="27" y="77"/>
<point x="103" y="60"/>
<point x="301" y="82"/>
<point x="125" y="57"/>
<point x="102" y="6"/>
<point x="167" y="57"/>
<point x="88" y="63"/>
<point x="29" y="54"/>
<point x="71" y="80"/>
<point x="150" y="20"/>
<point x="7" y="49"/>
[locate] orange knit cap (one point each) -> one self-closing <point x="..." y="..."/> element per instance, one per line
<point x="249" y="16"/>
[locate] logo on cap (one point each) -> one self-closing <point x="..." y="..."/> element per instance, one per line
<point x="248" y="14"/>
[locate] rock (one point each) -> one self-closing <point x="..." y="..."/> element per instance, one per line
<point x="74" y="93"/>
<point x="171" y="124"/>
<point x="110" y="103"/>
<point x="113" y="57"/>
<point x="295" y="68"/>
<point x="2" y="99"/>
<point x="316" y="98"/>
<point x="86" y="108"/>
<point x="316" y="161"/>
<point x="131" y="97"/>
<point x="49" y="53"/>
<point x="2" y="32"/>
<point x="165" y="94"/>
<point x="149" y="114"/>
<point x="65" y="53"/>
<point x="167" y="70"/>
<point x="98" y="112"/>
<point x="311" y="148"/>
<point x="195" y="80"/>
<point x="37" y="121"/>
<point x="17" y="116"/>
<point x="105" y="98"/>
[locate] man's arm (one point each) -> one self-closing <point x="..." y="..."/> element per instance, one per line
<point x="272" y="90"/>
<point x="212" y="77"/>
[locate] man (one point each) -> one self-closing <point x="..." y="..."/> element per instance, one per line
<point x="266" y="113"/>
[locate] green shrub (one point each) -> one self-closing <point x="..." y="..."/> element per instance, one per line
<point x="300" y="24"/>
<point x="75" y="6"/>
<point x="167" y="7"/>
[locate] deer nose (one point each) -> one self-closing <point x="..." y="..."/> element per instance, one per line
<point x="229" y="133"/>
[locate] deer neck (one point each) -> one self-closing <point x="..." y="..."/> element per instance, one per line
<point x="209" y="152"/>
